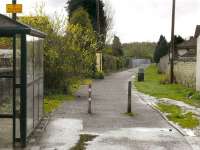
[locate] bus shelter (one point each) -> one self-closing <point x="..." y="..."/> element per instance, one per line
<point x="21" y="80"/>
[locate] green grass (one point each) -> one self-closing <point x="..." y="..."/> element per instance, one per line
<point x="153" y="87"/>
<point x="54" y="101"/>
<point x="177" y="115"/>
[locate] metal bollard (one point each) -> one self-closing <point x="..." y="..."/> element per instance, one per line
<point x="90" y="99"/>
<point x="129" y="97"/>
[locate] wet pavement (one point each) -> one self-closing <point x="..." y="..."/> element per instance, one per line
<point x="61" y="134"/>
<point x="139" y="139"/>
<point x="146" y="130"/>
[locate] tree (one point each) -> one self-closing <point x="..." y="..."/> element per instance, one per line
<point x="53" y="46"/>
<point x="139" y="49"/>
<point x="178" y="39"/>
<point x="81" y="17"/>
<point x="117" y="47"/>
<point x="90" y="7"/>
<point x="162" y="48"/>
<point x="81" y="43"/>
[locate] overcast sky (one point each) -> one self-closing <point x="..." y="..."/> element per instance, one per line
<point x="136" y="20"/>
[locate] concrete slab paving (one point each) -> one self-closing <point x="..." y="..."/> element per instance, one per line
<point x="139" y="139"/>
<point x="61" y="134"/>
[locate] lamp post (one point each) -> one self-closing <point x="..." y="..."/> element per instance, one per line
<point x="99" y="52"/>
<point x="172" y="47"/>
<point x="14" y="15"/>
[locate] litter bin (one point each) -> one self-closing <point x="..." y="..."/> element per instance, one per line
<point x="141" y="75"/>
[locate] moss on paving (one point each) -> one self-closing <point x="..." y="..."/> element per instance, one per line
<point x="84" y="138"/>
<point x="130" y="114"/>
<point x="153" y="87"/>
<point x="177" y="115"/>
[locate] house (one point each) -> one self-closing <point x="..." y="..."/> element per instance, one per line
<point x="188" y="49"/>
<point x="186" y="63"/>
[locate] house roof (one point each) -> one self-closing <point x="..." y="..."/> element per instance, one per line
<point x="10" y="27"/>
<point x="197" y="31"/>
<point x="189" y="54"/>
<point x="189" y="44"/>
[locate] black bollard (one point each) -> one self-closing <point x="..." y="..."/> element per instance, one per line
<point x="129" y="97"/>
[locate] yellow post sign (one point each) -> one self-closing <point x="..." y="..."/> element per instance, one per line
<point x="14" y="8"/>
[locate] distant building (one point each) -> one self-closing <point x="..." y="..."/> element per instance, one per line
<point x="5" y="54"/>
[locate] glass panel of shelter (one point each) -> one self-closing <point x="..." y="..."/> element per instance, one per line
<point x="18" y="82"/>
<point x="6" y="90"/>
<point x="34" y="82"/>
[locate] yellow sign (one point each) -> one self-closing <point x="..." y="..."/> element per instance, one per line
<point x="14" y="8"/>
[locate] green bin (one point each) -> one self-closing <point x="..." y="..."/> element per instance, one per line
<point x="141" y="75"/>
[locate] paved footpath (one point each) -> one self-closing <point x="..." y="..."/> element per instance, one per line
<point x="147" y="130"/>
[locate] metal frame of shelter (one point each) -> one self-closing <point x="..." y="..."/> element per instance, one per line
<point x="10" y="28"/>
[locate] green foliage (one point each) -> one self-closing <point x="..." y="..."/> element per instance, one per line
<point x="81" y="44"/>
<point x="161" y="50"/>
<point x="177" y="115"/>
<point x="117" y="47"/>
<point x="139" y="50"/>
<point x="152" y="87"/>
<point x="107" y="50"/>
<point x="99" y="75"/>
<point x="52" y="102"/>
<point x="53" y="46"/>
<point x="90" y="7"/>
<point x="81" y="17"/>
<point x="67" y="55"/>
<point x="178" y="39"/>
<point x="113" y="63"/>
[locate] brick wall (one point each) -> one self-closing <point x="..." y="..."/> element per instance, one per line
<point x="198" y="65"/>
<point x="184" y="71"/>
<point x="163" y="64"/>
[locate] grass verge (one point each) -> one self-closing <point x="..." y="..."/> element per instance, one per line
<point x="177" y="115"/>
<point x="153" y="87"/>
<point x="54" y="101"/>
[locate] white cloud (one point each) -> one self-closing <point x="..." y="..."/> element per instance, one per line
<point x="136" y="20"/>
<point x="145" y="20"/>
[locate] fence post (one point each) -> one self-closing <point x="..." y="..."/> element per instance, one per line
<point x="129" y="97"/>
<point x="90" y="99"/>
